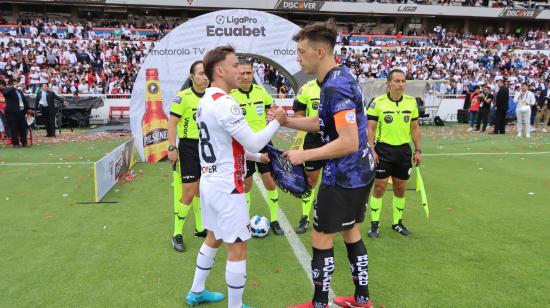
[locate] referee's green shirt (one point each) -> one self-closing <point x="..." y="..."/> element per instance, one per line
<point x="394" y="118"/>
<point x="254" y="104"/>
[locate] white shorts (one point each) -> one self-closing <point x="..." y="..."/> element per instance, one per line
<point x="226" y="215"/>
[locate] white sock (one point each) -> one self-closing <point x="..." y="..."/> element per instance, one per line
<point x="235" y="277"/>
<point x="205" y="260"/>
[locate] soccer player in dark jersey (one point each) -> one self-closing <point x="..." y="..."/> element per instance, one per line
<point x="349" y="170"/>
<point x="183" y="125"/>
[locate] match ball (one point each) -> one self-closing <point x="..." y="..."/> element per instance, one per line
<point x="259" y="226"/>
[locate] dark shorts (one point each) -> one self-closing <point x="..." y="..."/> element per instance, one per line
<point x="338" y="209"/>
<point x="313" y="141"/>
<point x="190" y="162"/>
<point x="393" y="161"/>
<point x="252" y="166"/>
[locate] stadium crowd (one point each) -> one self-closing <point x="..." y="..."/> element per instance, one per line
<point x="84" y="63"/>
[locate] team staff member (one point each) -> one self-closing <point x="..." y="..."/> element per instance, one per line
<point x="307" y="104"/>
<point x="394" y="118"/>
<point x="254" y="102"/>
<point x="17" y="107"/>
<point x="348" y="172"/>
<point x="183" y="124"/>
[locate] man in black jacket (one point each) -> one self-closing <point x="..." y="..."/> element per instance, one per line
<point x="45" y="99"/>
<point x="16" y="109"/>
<point x="501" y="107"/>
<point x="543" y="108"/>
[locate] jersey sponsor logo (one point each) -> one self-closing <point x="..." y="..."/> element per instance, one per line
<point x="388" y="119"/>
<point x="235" y="110"/>
<point x="236" y="122"/>
<point x="209" y="169"/>
<point x="406" y="118"/>
<point x="350" y="117"/>
<point x="260" y="109"/>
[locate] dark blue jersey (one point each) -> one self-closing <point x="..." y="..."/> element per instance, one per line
<point x="340" y="91"/>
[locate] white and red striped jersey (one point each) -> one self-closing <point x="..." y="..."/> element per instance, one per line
<point x="223" y="163"/>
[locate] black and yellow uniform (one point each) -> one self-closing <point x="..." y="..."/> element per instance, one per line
<point x="184" y="107"/>
<point x="254" y="104"/>
<point x="393" y="134"/>
<point x="308" y="100"/>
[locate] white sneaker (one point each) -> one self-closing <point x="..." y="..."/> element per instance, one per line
<point x="533" y="129"/>
<point x="470" y="129"/>
<point x="519" y="135"/>
<point x="544" y="130"/>
<point x="528" y="136"/>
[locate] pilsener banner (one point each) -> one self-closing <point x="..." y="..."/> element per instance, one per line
<point x="109" y="169"/>
<point x="166" y="68"/>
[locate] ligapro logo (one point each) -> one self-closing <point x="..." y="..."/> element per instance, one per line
<point x="235" y="26"/>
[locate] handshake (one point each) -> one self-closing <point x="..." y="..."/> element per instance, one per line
<point x="276" y="113"/>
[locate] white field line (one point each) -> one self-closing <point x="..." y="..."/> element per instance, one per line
<point x="297" y="246"/>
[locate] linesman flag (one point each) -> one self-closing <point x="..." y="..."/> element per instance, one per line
<point x="420" y="188"/>
<point x="290" y="178"/>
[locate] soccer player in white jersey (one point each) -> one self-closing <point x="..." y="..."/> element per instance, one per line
<point x="224" y="137"/>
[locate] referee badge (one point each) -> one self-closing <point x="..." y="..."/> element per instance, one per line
<point x="388" y="119"/>
<point x="406" y="118"/>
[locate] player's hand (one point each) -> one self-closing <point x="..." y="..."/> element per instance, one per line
<point x="278" y="113"/>
<point x="264" y="158"/>
<point x="376" y="162"/>
<point x="417" y="158"/>
<point x="296" y="157"/>
<point x="173" y="156"/>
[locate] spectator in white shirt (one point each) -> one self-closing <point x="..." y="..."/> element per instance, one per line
<point x="524" y="99"/>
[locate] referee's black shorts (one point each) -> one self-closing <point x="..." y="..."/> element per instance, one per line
<point x="313" y="141"/>
<point x="190" y="162"/>
<point x="395" y="161"/>
<point x="251" y="166"/>
<point x="338" y="208"/>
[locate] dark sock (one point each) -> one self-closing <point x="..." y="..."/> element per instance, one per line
<point x="359" y="265"/>
<point x="322" y="268"/>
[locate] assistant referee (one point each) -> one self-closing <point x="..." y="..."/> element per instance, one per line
<point x="394" y="118"/>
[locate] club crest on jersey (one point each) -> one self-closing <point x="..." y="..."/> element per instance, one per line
<point x="388" y="119"/>
<point x="235" y="110"/>
<point x="260" y="109"/>
<point x="406" y="119"/>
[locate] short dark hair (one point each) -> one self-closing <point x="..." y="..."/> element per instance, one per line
<point x="324" y="32"/>
<point x="214" y="56"/>
<point x="245" y="61"/>
<point x="393" y="72"/>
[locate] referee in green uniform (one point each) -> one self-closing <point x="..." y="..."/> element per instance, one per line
<point x="393" y="120"/>
<point x="254" y="102"/>
<point x="183" y="124"/>
<point x="306" y="104"/>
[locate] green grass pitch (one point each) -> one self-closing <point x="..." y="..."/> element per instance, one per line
<point x="485" y="244"/>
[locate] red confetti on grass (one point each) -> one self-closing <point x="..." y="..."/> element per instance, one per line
<point x="254" y="283"/>
<point x="49" y="216"/>
<point x="277" y="270"/>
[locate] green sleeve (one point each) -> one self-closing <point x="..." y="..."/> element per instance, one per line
<point x="373" y="111"/>
<point x="177" y="109"/>
<point x="268" y="99"/>
<point x="414" y="113"/>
